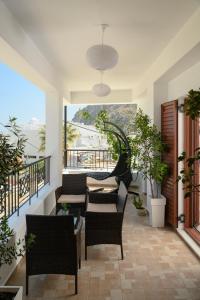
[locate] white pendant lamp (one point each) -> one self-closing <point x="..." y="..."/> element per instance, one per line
<point x="101" y="89"/>
<point x="102" y="57"/>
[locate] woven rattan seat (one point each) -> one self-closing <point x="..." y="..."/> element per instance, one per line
<point x="105" y="227"/>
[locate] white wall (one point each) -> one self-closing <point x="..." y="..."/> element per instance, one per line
<point x="116" y="96"/>
<point x="18" y="50"/>
<point x="54" y="122"/>
<point x="143" y="103"/>
<point x="179" y="86"/>
<point x="176" y="57"/>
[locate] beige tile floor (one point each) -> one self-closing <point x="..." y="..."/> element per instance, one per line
<point x="157" y="266"/>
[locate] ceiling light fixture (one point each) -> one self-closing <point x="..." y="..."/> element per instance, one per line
<point x="102" y="57"/>
<point x="101" y="89"/>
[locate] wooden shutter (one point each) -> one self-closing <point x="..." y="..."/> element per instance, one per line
<point x="169" y="131"/>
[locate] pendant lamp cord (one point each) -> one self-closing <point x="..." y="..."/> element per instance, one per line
<point x="102" y="37"/>
<point x="101" y="76"/>
<point x="103" y="27"/>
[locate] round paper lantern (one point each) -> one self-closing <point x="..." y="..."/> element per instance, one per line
<point x="102" y="57"/>
<point x="101" y="90"/>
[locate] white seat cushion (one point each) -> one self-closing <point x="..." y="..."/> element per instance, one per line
<point x="71" y="199"/>
<point x="101" y="207"/>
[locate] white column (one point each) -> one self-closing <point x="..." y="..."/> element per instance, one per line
<point x="180" y="164"/>
<point x="54" y="121"/>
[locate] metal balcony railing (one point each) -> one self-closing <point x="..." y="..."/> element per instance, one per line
<point x="88" y="159"/>
<point x="22" y="185"/>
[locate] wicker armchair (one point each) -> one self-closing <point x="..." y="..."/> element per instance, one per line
<point x="56" y="248"/>
<point x="104" y="218"/>
<point x="73" y="191"/>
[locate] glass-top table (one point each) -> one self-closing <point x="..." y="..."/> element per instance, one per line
<point x="60" y="210"/>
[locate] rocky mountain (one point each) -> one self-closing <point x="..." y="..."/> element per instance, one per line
<point x="121" y="114"/>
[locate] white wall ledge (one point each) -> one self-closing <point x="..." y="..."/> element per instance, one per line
<point x="15" y="220"/>
<point x="43" y="204"/>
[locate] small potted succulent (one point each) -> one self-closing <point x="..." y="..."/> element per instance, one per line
<point x="64" y="209"/>
<point x="138" y="203"/>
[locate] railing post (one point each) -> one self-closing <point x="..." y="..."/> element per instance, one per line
<point x="65" y="136"/>
<point x="12" y="193"/>
<point x="8" y="198"/>
<point x="37" y="178"/>
<point x="15" y="181"/>
<point x="29" y="185"/>
<point x="18" y="189"/>
<point x="4" y="193"/>
<point x="49" y="163"/>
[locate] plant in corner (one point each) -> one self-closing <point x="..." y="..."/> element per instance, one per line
<point x="147" y="148"/>
<point x="138" y="203"/>
<point x="11" y="160"/>
<point x="192" y="104"/>
<point x="191" y="108"/>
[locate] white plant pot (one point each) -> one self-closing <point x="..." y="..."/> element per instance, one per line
<point x="158" y="211"/>
<point x="141" y="212"/>
<point x="13" y="289"/>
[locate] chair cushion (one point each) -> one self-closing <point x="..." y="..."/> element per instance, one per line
<point x="71" y="199"/>
<point x="101" y="207"/>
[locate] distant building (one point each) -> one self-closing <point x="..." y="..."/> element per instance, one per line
<point x="89" y="138"/>
<point x="31" y="132"/>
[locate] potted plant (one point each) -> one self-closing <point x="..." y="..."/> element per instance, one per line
<point x="63" y="208"/>
<point x="192" y="104"/>
<point x="138" y="203"/>
<point x="11" y="159"/>
<point x="147" y="148"/>
<point x="191" y="107"/>
<point x="8" y="252"/>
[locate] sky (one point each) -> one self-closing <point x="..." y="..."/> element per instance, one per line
<point x="19" y="97"/>
<point x="22" y="99"/>
<point x="72" y="109"/>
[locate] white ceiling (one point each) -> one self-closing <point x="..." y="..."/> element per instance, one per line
<point x="64" y="29"/>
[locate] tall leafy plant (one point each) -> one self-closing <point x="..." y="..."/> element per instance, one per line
<point x="111" y="139"/>
<point x="72" y="134"/>
<point x="147" y="148"/>
<point x="11" y="155"/>
<point x="187" y="174"/>
<point x="192" y="104"/>
<point x="104" y="116"/>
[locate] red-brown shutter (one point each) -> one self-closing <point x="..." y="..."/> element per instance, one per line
<point x="169" y="131"/>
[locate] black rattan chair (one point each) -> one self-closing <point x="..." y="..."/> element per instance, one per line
<point x="73" y="191"/>
<point x="104" y="218"/>
<point x="56" y="248"/>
